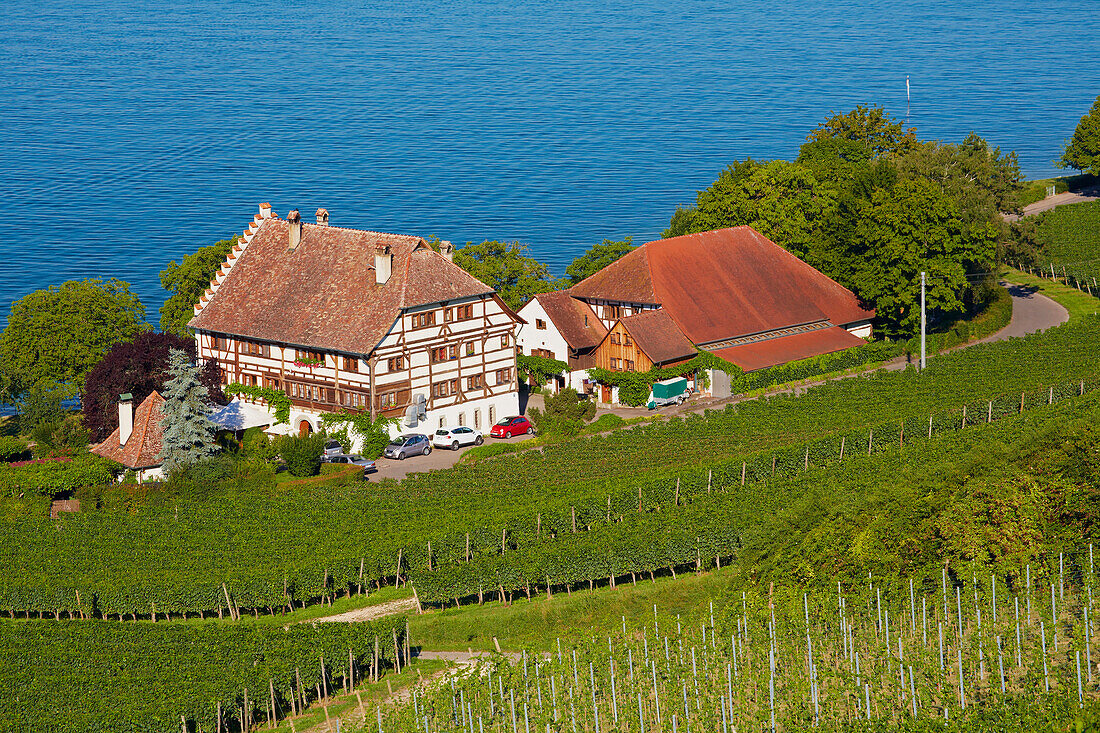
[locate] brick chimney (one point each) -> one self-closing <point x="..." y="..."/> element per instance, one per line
<point x="383" y="265"/>
<point x="447" y="250"/>
<point x="294" y="219"/>
<point x="125" y="417"/>
<point x="322" y="217"/>
<point x="265" y="211"/>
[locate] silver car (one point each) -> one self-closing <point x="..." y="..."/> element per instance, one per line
<point x="404" y="446"/>
<point x="332" y="448"/>
<point x="357" y="460"/>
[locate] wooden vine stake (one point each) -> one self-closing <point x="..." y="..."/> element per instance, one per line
<point x="397" y="577"/>
<point x="468" y="545"/>
<point x="573" y="512"/>
<point x="964" y="416"/>
<point x="806" y="460"/>
<point x="430" y="555"/>
<point x="416" y="598"/>
<point x="503" y="539"/>
<point x="744" y="468"/>
<point x="989" y="417"/>
<point x="842" y="437"/>
<point x="360" y="578"/>
<point x="870" y="437"/>
<point x="710" y="473"/>
<point x="676" y="496"/>
<point x="929" y="427"/>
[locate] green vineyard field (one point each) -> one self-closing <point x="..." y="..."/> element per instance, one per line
<point x="272" y="545"/>
<point x="91" y="676"/>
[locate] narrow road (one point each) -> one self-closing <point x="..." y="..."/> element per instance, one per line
<point x="369" y="613"/>
<point x="1069" y="197"/>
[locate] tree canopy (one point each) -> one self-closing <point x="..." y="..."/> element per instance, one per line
<point x="873" y="126"/>
<point x="505" y="267"/>
<point x="597" y="257"/>
<point x="1082" y="151"/>
<point x="56" y="335"/>
<point x="871" y="206"/>
<point x="138" y="367"/>
<point x="187" y="281"/>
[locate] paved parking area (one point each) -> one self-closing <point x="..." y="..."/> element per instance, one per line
<point x="438" y="458"/>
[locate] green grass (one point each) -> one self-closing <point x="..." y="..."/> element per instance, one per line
<point x="346" y="707"/>
<point x="539" y="621"/>
<point x="328" y="470"/>
<point x="1073" y="300"/>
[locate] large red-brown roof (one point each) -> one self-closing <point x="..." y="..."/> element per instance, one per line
<point x="142" y="448"/>
<point x="627" y="279"/>
<point x="723" y="284"/>
<point x="323" y="294"/>
<point x="574" y="319"/>
<point x="657" y="335"/>
<point x="773" y="351"/>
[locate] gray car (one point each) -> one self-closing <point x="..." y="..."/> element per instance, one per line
<point x="367" y="466"/>
<point x="403" y="446"/>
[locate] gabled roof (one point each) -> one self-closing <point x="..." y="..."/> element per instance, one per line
<point x="724" y="283"/>
<point x="627" y="279"/>
<point x="575" y="320"/>
<point x="142" y="448"/>
<point x="657" y="335"/>
<point x="772" y="351"/>
<point x="322" y="294"/>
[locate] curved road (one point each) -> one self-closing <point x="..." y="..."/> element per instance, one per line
<point x="1031" y="312"/>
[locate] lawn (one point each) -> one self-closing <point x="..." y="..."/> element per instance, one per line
<point x="1073" y="300"/>
<point x="539" y="621"/>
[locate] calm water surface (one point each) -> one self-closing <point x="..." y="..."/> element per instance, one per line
<point x="133" y="133"/>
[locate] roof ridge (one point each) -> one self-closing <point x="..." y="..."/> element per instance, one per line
<point x="363" y="231"/>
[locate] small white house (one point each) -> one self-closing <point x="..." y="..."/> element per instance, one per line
<point x="559" y="326"/>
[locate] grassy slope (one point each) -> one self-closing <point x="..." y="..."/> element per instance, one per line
<point x="538" y="622"/>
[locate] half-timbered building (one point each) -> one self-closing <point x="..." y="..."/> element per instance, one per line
<point x="351" y="320"/>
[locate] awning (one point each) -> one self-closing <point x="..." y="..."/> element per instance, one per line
<point x="770" y="352"/>
<point x="239" y="415"/>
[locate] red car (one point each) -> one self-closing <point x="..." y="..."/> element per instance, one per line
<point x="510" y="426"/>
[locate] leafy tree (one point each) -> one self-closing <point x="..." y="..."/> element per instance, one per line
<point x="505" y="267"/>
<point x="980" y="179"/>
<point x="783" y="201"/>
<point x="188" y="432"/>
<point x="187" y="281"/>
<point x="912" y="227"/>
<point x="563" y="414"/>
<point x="56" y="335"/>
<point x="871" y="125"/>
<point x="1082" y="152"/>
<point x="597" y="257"/>
<point x="42" y="404"/>
<point x="302" y="453"/>
<point x="138" y="367"/>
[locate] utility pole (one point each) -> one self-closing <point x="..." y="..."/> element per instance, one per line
<point x="923" y="321"/>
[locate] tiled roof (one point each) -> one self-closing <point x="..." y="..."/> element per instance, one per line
<point x="574" y="319"/>
<point x="724" y="283"/>
<point x="143" y="445"/>
<point x="657" y="335"/>
<point x="627" y="279"/>
<point x="773" y="351"/>
<point x="322" y="293"/>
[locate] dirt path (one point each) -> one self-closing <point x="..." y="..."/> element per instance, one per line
<point x="370" y="613"/>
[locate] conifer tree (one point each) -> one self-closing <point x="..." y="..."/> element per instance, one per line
<point x="188" y="432"/>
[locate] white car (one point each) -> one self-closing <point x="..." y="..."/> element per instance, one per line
<point x="456" y="437"/>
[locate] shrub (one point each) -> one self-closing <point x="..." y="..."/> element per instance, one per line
<point x="256" y="446"/>
<point x="564" y="413"/>
<point x="12" y="449"/>
<point x="302" y="453"/>
<point x="607" y="421"/>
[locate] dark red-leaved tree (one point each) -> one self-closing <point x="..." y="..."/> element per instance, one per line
<point x="137" y="367"/>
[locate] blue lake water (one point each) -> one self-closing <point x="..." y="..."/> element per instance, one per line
<point x="133" y="133"/>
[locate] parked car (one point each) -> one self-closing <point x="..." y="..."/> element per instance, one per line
<point x="368" y="466"/>
<point x="455" y="437"/>
<point x="510" y="426"/>
<point x="403" y="446"/>
<point x="332" y="448"/>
